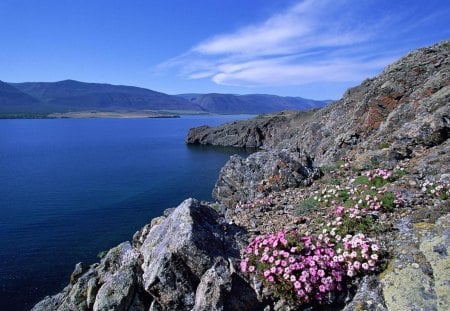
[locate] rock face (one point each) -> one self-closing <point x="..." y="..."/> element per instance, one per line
<point x="253" y="133"/>
<point x="183" y="261"/>
<point x="402" y="110"/>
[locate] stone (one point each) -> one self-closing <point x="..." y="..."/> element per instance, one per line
<point x="181" y="249"/>
<point x="214" y="285"/>
<point x="80" y="268"/>
<point x="246" y="179"/>
<point x="117" y="292"/>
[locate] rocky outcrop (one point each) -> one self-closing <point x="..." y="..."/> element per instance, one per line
<point x="404" y="109"/>
<point x="253" y="133"/>
<point x="185" y="252"/>
<point x="263" y="172"/>
<point x="183" y="261"/>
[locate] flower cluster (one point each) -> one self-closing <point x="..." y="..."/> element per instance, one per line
<point x="265" y="201"/>
<point x="381" y="173"/>
<point x="440" y="189"/>
<point x="360" y="254"/>
<point x="360" y="199"/>
<point x="308" y="268"/>
<point x="345" y="163"/>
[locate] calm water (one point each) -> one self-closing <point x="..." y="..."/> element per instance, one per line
<point x="72" y="188"/>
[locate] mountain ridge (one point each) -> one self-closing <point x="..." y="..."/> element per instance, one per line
<point x="68" y="96"/>
<point x="251" y="103"/>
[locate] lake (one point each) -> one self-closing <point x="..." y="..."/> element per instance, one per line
<point x="71" y="188"/>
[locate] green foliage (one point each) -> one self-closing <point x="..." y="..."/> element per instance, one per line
<point x="400" y="173"/>
<point x="384" y="145"/>
<point x="388" y="201"/>
<point x="364" y="224"/>
<point x="361" y="180"/>
<point x="216" y="207"/>
<point x="307" y="206"/>
<point x="102" y="254"/>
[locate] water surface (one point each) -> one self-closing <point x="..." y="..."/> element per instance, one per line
<point x="70" y="188"/>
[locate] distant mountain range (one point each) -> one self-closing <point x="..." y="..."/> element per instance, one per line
<point x="253" y="103"/>
<point x="70" y="96"/>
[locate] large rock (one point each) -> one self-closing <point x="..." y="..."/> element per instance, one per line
<point x="422" y="263"/>
<point x="181" y="253"/>
<point x="109" y="285"/>
<point x="244" y="179"/>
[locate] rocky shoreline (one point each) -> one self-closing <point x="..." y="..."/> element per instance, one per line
<point x="395" y="125"/>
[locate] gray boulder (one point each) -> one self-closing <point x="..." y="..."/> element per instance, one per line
<point x="181" y="253"/>
<point x="245" y="179"/>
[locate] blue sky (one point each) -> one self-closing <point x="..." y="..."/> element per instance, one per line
<point x="314" y="49"/>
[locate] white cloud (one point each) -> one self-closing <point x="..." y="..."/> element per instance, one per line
<point x="312" y="41"/>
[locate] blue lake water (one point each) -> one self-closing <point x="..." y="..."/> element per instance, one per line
<point x="70" y="188"/>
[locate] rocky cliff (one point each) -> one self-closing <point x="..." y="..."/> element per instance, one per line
<point x="404" y="109"/>
<point x="310" y="163"/>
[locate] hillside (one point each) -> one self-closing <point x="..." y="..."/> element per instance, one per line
<point x="70" y="95"/>
<point x="343" y="208"/>
<point x="63" y="98"/>
<point x="13" y="101"/>
<point x="251" y="104"/>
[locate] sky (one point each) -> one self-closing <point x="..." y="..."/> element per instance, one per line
<point x="311" y="48"/>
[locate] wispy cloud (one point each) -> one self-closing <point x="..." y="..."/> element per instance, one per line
<point x="312" y="41"/>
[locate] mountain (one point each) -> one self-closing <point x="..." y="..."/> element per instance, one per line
<point x="13" y="100"/>
<point x="252" y="103"/>
<point x="70" y="95"/>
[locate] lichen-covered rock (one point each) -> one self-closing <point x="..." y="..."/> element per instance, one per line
<point x="418" y="276"/>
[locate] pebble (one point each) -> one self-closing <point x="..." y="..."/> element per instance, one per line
<point x="415" y="265"/>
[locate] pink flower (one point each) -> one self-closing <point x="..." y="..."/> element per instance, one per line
<point x="243" y="266"/>
<point x="339" y="209"/>
<point x="266" y="273"/>
<point x="251" y="268"/>
<point x="270" y="279"/>
<point x="297" y="285"/>
<point x="365" y="266"/>
<point x="322" y="288"/>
